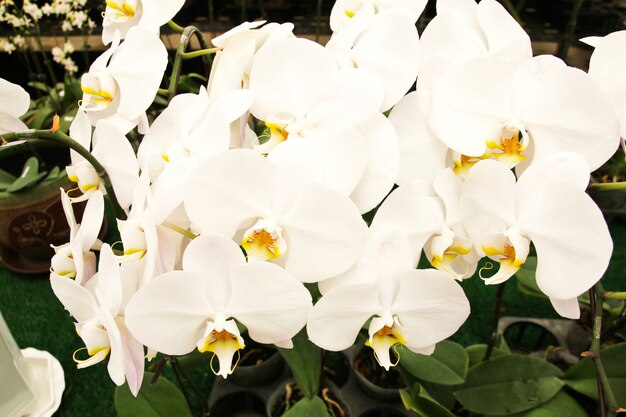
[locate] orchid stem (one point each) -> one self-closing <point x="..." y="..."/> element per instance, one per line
<point x="605" y="393"/>
<point x="174" y="26"/>
<point x="179" y="379"/>
<point x="610" y="295"/>
<point x="180" y="230"/>
<point x="179" y="369"/>
<point x="62" y="138"/>
<point x="568" y="36"/>
<point x="608" y="186"/>
<point x="199" y="52"/>
<point x="185" y="38"/>
<point x="494" y="324"/>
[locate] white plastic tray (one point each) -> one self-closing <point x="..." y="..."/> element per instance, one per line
<point x="48" y="382"/>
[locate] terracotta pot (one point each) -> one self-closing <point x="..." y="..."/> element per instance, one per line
<point x="30" y="222"/>
<point x="32" y="219"/>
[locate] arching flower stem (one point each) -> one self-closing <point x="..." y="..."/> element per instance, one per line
<point x="180" y="230"/>
<point x="200" y="52"/>
<point x="174" y="26"/>
<point x="608" y="186"/>
<point x="185" y="38"/>
<point x="63" y="139"/>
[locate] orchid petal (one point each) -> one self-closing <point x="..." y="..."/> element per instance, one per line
<point x="430" y="306"/>
<point x="109" y="290"/>
<point x="91" y="222"/>
<point x="506" y="39"/>
<point x="383" y="165"/>
<point x="422" y="154"/>
<point x="488" y="200"/>
<point x="15" y="100"/>
<point x="324" y="233"/>
<point x="116" y="155"/>
<point x="80" y="131"/>
<point x="565" y="109"/>
<point x="570" y="309"/>
<point x="170" y="312"/>
<point x="269" y="301"/>
<point x="213" y="257"/>
<point x="137" y="66"/>
<point x="77" y="300"/>
<point x="460" y="95"/>
<point x="394" y="36"/>
<point x="573" y="246"/>
<point x="283" y="79"/>
<point x="338" y="316"/>
<point x="156" y="13"/>
<point x="413" y="211"/>
<point x="231" y="188"/>
<point x="607" y="67"/>
<point x="115" y="365"/>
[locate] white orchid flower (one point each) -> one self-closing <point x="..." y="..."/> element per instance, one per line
<point x="150" y="249"/>
<point x="345" y="11"/>
<point x="99" y="312"/>
<point x="522" y="114"/>
<point x="329" y="112"/>
<point x="191" y="126"/>
<point x="312" y="230"/>
<point x="231" y="67"/>
<point x="464" y="30"/>
<point x="14" y="102"/>
<point x="122" y="15"/>
<point x="393" y="35"/>
<point x="197" y="307"/>
<point x="606" y="67"/>
<point x="431" y="220"/>
<point x="415" y="308"/>
<point x="548" y="206"/>
<point x="75" y="259"/>
<point x="122" y="83"/>
<point x="112" y="149"/>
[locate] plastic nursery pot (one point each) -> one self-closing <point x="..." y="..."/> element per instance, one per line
<point x="32" y="219"/>
<point x="374" y="380"/>
<point x="259" y="365"/>
<point x="382" y="412"/>
<point x="288" y="394"/>
<point x="239" y="404"/>
<point x="336" y="368"/>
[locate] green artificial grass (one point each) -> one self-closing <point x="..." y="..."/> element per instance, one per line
<point x="37" y="319"/>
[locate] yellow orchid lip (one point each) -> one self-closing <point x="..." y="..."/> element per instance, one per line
<point x="125" y="8"/>
<point x="261" y="244"/>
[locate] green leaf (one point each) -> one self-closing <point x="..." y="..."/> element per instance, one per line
<point x="561" y="405"/>
<point x="54" y="174"/>
<point x="418" y="401"/>
<point x="43" y="118"/>
<point x="39" y="86"/>
<point x="509" y="384"/>
<point x="305" y="362"/>
<point x="476" y="353"/>
<point x="6" y="179"/>
<point x="582" y="376"/>
<point x="30" y="176"/>
<point x="162" y="399"/>
<point x="526" y="281"/>
<point x="308" y="407"/>
<point x="447" y="365"/>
